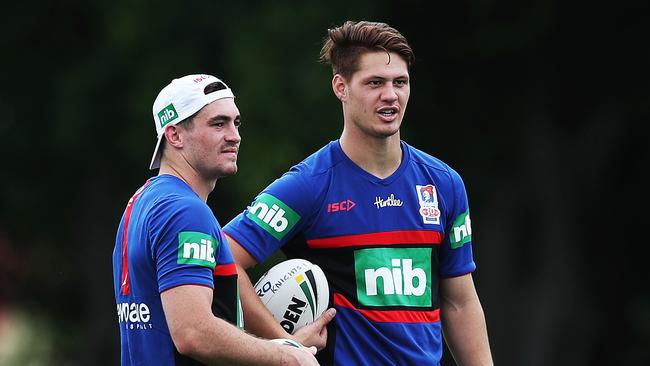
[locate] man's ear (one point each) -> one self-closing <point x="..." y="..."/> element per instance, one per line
<point x="340" y="87"/>
<point x="173" y="136"/>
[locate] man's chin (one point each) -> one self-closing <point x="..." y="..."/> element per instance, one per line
<point x="388" y="130"/>
<point x="225" y="171"/>
<point x="386" y="133"/>
<point x="231" y="170"/>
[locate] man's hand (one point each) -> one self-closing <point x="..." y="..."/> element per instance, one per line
<point x="315" y="334"/>
<point x="298" y="356"/>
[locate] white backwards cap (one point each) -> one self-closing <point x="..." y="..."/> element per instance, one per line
<point x="182" y="98"/>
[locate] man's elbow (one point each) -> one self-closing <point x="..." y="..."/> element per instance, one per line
<point x="187" y="342"/>
<point x="242" y="257"/>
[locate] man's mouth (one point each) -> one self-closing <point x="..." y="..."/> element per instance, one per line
<point x="230" y="151"/>
<point x="387" y="111"/>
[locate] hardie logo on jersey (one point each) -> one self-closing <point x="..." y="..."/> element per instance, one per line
<point x="428" y="199"/>
<point x="389" y="201"/>
<point x="167" y="115"/>
<point x="196" y="248"/>
<point x="393" y="276"/>
<point x="273" y="215"/>
<point x="461" y="231"/>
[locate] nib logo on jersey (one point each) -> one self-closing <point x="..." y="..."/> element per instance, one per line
<point x="393" y="276"/>
<point x="273" y="215"/>
<point x="461" y="231"/>
<point x="197" y="248"/>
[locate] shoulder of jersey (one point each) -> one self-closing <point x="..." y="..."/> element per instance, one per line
<point x="319" y="162"/>
<point x="421" y="157"/>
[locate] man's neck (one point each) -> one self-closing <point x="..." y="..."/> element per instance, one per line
<point x="190" y="176"/>
<point x="380" y="157"/>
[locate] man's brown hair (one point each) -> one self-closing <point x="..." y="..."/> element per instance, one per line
<point x="344" y="44"/>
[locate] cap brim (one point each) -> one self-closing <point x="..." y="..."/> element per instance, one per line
<point x="155" y="159"/>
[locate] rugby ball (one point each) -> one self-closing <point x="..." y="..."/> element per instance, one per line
<point x="287" y="342"/>
<point x="295" y="291"/>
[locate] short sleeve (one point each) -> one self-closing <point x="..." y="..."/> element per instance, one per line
<point x="456" y="251"/>
<point x="185" y="241"/>
<point x="276" y="215"/>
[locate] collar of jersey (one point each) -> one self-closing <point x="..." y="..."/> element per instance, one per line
<point x="406" y="156"/>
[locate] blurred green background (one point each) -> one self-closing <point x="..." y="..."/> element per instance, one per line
<point x="538" y="104"/>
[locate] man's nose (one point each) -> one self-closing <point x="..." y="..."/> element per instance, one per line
<point x="389" y="93"/>
<point x="232" y="133"/>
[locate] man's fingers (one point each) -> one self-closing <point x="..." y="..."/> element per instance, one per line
<point x="315" y="334"/>
<point x="326" y="317"/>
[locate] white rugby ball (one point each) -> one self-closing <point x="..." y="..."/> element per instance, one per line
<point x="287" y="342"/>
<point x="295" y="291"/>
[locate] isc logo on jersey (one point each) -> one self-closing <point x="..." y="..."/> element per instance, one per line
<point x="273" y="215"/>
<point x="393" y="276"/>
<point x="196" y="248"/>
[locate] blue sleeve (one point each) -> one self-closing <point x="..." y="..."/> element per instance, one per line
<point x="456" y="251"/>
<point x="185" y="240"/>
<point x="225" y="255"/>
<point x="276" y="215"/>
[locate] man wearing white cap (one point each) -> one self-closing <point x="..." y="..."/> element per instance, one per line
<point x="174" y="277"/>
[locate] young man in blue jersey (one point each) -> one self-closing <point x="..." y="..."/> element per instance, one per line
<point x="174" y="277"/>
<point x="388" y="224"/>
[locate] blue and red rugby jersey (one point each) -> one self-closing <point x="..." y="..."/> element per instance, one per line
<point x="382" y="243"/>
<point x="167" y="237"/>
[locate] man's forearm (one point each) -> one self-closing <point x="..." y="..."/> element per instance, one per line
<point x="465" y="332"/>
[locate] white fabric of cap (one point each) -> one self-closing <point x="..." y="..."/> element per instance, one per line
<point x="179" y="100"/>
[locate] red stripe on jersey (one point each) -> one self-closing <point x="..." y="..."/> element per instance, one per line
<point x="126" y="283"/>
<point x="382" y="238"/>
<point x="387" y="316"/>
<point x="225" y="270"/>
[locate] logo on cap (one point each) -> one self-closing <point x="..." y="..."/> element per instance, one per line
<point x="167" y="115"/>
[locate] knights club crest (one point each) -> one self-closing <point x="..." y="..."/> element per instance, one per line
<point x="428" y="199"/>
